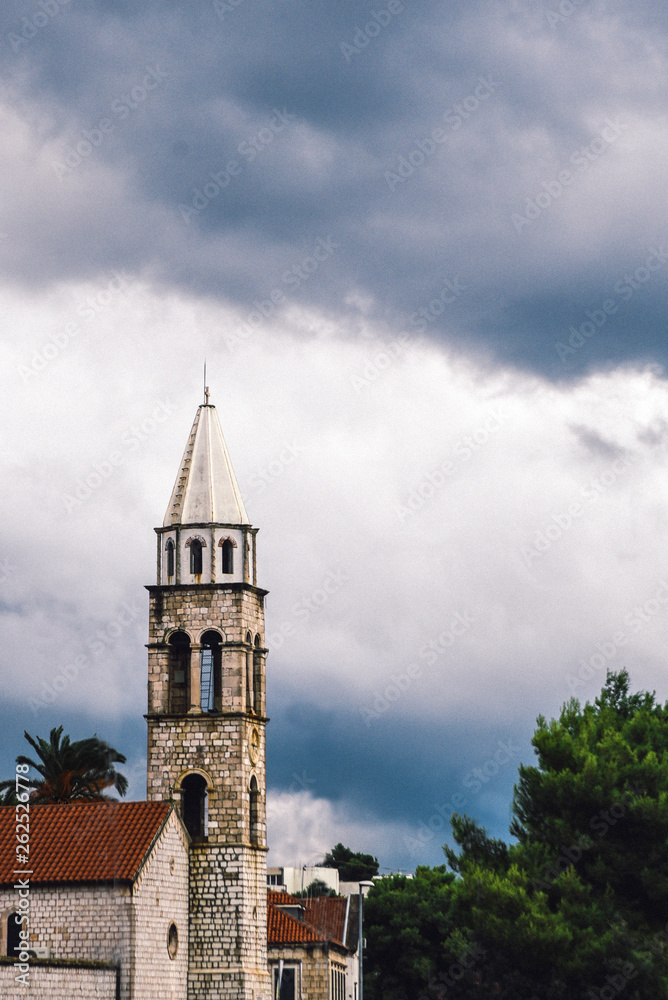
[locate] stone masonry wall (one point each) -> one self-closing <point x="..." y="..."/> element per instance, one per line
<point x="160" y="898"/>
<point x="227" y="871"/>
<point x="53" y="982"/>
<point x="82" y="922"/>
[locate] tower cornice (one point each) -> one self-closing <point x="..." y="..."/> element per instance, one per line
<point x="167" y="588"/>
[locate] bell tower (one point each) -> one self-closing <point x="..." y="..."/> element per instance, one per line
<point x="206" y="713"/>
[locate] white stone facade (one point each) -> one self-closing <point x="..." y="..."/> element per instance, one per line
<point x="124" y="925"/>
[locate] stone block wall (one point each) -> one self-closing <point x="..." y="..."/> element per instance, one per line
<point x="160" y="898"/>
<point x="90" y="922"/>
<point x="228" y="922"/>
<point x="59" y="982"/>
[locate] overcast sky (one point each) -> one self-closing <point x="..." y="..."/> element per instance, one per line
<point x="423" y="249"/>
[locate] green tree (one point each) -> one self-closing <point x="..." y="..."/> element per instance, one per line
<point x="353" y="865"/>
<point x="68" y="770"/>
<point x="577" y="906"/>
<point x="316" y="888"/>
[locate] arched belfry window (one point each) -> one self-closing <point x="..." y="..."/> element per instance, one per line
<point x="169" y="549"/>
<point x="228" y="545"/>
<point x="254" y="812"/>
<point x="257" y="675"/>
<point x="211" y="674"/>
<point x="196" y="557"/>
<point x="194" y="805"/>
<point x="179" y="673"/>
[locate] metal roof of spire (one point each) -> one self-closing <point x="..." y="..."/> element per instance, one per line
<point x="206" y="489"/>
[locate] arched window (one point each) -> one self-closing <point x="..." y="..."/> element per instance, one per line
<point x="13" y="939"/>
<point x="257" y="675"/>
<point x="196" y="557"/>
<point x="228" y="556"/>
<point x="249" y="673"/>
<point x="194" y="805"/>
<point x="212" y="681"/>
<point x="254" y="812"/>
<point x="179" y="673"/>
<point x="169" y="548"/>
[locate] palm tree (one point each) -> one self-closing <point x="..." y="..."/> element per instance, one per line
<point x="70" y="771"/>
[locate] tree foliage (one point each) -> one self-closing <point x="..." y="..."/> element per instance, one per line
<point x="353" y="865"/>
<point x="577" y="906"/>
<point x="315" y="888"/>
<point x="69" y="770"/>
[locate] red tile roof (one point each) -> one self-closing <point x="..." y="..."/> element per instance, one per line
<point x="285" y="929"/>
<point x="327" y="914"/>
<point x="323" y="919"/>
<point x="283" y="899"/>
<point x="82" y="841"/>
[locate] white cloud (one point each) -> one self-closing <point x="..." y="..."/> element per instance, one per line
<point x="302" y="828"/>
<point x="393" y="494"/>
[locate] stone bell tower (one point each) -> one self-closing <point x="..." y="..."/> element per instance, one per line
<point x="206" y="714"/>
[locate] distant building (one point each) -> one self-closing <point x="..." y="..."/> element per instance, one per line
<point x="312" y="947"/>
<point x="293" y="880"/>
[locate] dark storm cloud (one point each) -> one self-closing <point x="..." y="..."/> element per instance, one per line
<point x="401" y="772"/>
<point x="515" y="146"/>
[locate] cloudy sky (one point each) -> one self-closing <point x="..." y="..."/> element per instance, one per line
<point x="423" y="249"/>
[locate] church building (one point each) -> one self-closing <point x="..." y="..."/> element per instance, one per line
<point x="165" y="899"/>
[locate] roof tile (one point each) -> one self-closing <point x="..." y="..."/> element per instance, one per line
<point x="82" y="841"/>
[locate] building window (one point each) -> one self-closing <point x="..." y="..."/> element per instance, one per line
<point x="179" y="673"/>
<point x="285" y="983"/>
<point x="254" y="812"/>
<point x="13" y="939"/>
<point x="196" y="557"/>
<point x="249" y="673"/>
<point x="170" y="557"/>
<point x="257" y="675"/>
<point x="211" y="672"/>
<point x="194" y="805"/>
<point x="228" y="556"/>
<point x="172" y="941"/>
<point x="338" y="984"/>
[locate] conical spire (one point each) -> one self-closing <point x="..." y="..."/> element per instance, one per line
<point x="206" y="490"/>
